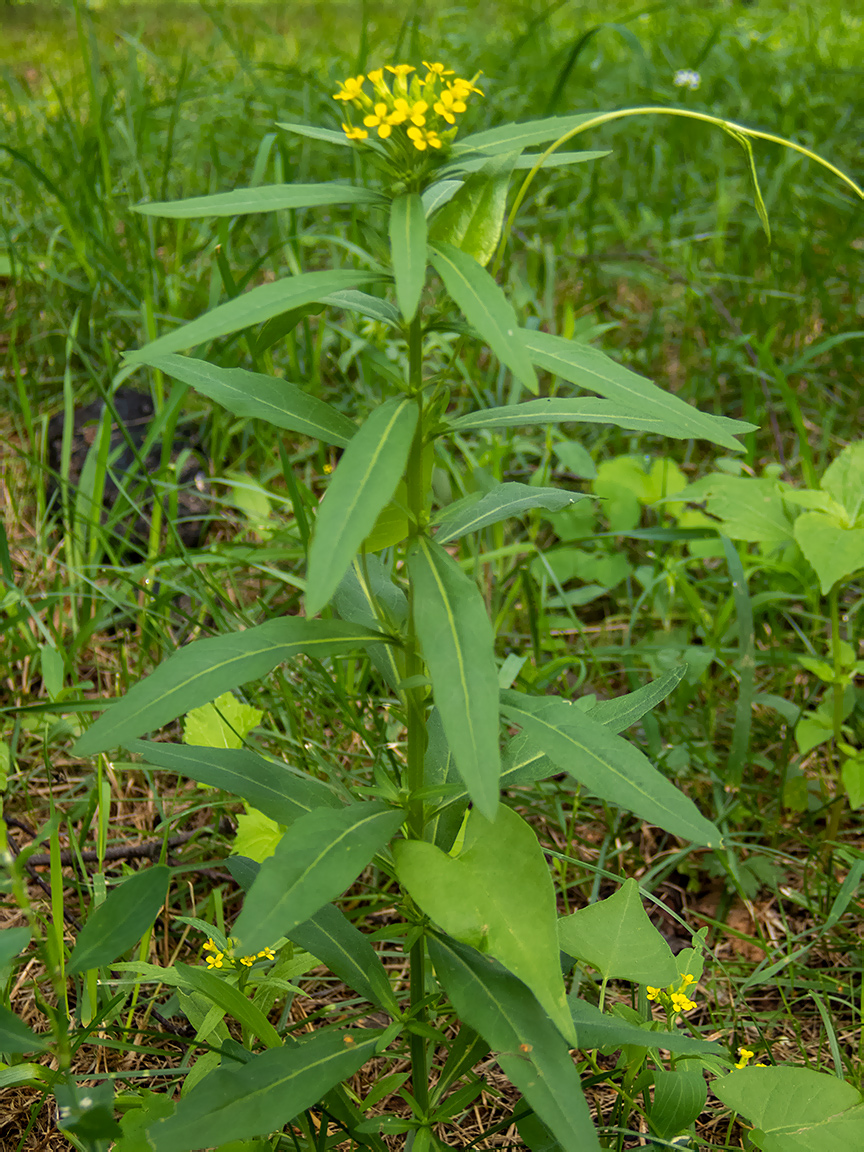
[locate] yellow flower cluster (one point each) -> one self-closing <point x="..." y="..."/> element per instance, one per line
<point x="676" y="994"/>
<point x="218" y="959"/>
<point x="744" y="1058"/>
<point x="416" y="106"/>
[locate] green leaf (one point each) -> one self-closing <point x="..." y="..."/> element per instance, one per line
<point x="497" y="896"/>
<point x="364" y="305"/>
<point x="592" y="369"/>
<point x="526" y="161"/>
<point x="458" y="645"/>
<point x="516" y="137"/>
<point x="257" y="836"/>
<point x="366" y="589"/>
<point x="13" y="941"/>
<point x="258" y="397"/>
<point x="485" y="307"/>
<point x="283" y="793"/>
<point x="528" y="1046"/>
<point x="616" y="937"/>
<point x="597" y="1029"/>
<point x="223" y="724"/>
<point x="365" y="479"/>
<point x="323" y="852"/>
<point x="253" y="307"/>
<point x="852" y="775"/>
<point x="625" y="711"/>
<point x="408" y="251"/>
<point x="750" y="507"/>
<point x="264" y="198"/>
<point x="472" y="219"/>
<point x="833" y="553"/>
<point x="844" y="481"/>
<point x="607" y="765"/>
<point x="334" y="940"/>
<point x="679" y="1097"/>
<point x="795" y="1109"/>
<point x="313" y="132"/>
<point x="502" y="501"/>
<point x="561" y="410"/>
<point x="121" y="919"/>
<point x="204" y="669"/>
<point x="260" y="1097"/>
<point x="232" y="1001"/>
<point x="16" y="1037"/>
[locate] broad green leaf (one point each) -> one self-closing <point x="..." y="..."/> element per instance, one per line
<point x="232" y="1000"/>
<point x="679" y="1097"/>
<point x="366" y="590"/>
<point x="259" y="397"/>
<point x="750" y="507"/>
<point x="592" y="369"/>
<point x="795" y="1109"/>
<point x="616" y="937"/>
<point x="833" y="553"/>
<point x="597" y="1029"/>
<point x="624" y="711"/>
<point x="561" y="410"/>
<point x="365" y="479"/>
<point x="515" y="137"/>
<point x="16" y="1037"/>
<point x="408" y="251"/>
<point x="485" y="307"/>
<point x="852" y="775"/>
<point x="844" y="481"/>
<point x="204" y="669"/>
<point x="504" y="500"/>
<point x="283" y="793"/>
<point x="121" y="919"/>
<point x="257" y="836"/>
<point x="223" y="724"/>
<point x="526" y="161"/>
<point x="333" y="939"/>
<point x="13" y="941"/>
<point x="607" y="764"/>
<point x="321" y="854"/>
<point x="264" y="198"/>
<point x="253" y="307"/>
<point x="528" y="1046"/>
<point x="154" y="1106"/>
<point x="260" y="1097"/>
<point x="472" y="219"/>
<point x="458" y="645"/>
<point x="497" y="895"/>
<point x="437" y="195"/>
<point x="374" y="307"/>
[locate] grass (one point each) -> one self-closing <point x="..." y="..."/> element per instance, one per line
<point x="657" y="253"/>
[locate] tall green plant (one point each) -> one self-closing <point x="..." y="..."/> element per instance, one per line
<point x="475" y="897"/>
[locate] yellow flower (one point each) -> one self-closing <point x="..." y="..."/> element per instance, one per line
<point x="214" y="961"/>
<point x="400" y="71"/>
<point x="424" y="138"/>
<point x="462" y="88"/>
<point x="437" y="69"/>
<point x="652" y="993"/>
<point x="247" y="961"/>
<point x="682" y="1003"/>
<point x="354" y="133"/>
<point x="744" y="1056"/>
<point x="351" y="88"/>
<point x="413" y="112"/>
<point x="210" y="947"/>
<point x="266" y="954"/>
<point x="448" y="103"/>
<point x="382" y="119"/>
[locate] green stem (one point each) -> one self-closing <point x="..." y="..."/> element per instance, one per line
<point x="416" y="715"/>
<point x="836" y="810"/>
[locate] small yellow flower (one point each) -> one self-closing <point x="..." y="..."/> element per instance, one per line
<point x="210" y="947"/>
<point x="682" y="1003"/>
<point x="382" y="119"/>
<point x="448" y="103"/>
<point x="744" y="1057"/>
<point x="215" y="961"/>
<point x="351" y="88"/>
<point x="437" y="69"/>
<point x="247" y="961"/>
<point x="652" y="993"/>
<point x="266" y="954"/>
<point x="424" y="138"/>
<point x="462" y="88"/>
<point x="413" y="112"/>
<point x="400" y="71"/>
<point x="354" y="133"/>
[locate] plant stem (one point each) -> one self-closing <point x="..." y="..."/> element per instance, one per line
<point x="836" y="810"/>
<point x="415" y="698"/>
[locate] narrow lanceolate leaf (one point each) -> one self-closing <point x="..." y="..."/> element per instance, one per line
<point x="504" y="500"/>
<point x="607" y="765"/>
<point x="253" y="307"/>
<point x="16" y="1037"/>
<point x="486" y="307"/>
<point x="201" y="671"/>
<point x="496" y="895"/>
<point x="596" y="1029"/>
<point x="624" y="711"/>
<point x="259" y="1097"/>
<point x="408" y="251"/>
<point x="279" y="791"/>
<point x="333" y="939"/>
<point x="121" y="919"/>
<point x="231" y="1000"/>
<point x="527" y="1045"/>
<point x="365" y="479"/>
<point x="458" y="645"/>
<point x="265" y="198"/>
<point x="317" y="859"/>
<point x="562" y="410"/>
<point x="526" y="161"/>
<point x="515" y="137"/>
<point x="472" y="219"/>
<point x="592" y="369"/>
<point x="259" y="397"/>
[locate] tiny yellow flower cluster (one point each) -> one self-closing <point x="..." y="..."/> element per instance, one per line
<point x="218" y="959"/>
<point x="417" y="106"/>
<point x="675" y="994"/>
<point x="744" y="1058"/>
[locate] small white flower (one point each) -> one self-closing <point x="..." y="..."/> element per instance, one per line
<point x="687" y="78"/>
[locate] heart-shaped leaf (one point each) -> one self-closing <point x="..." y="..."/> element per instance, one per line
<point x="834" y="553"/>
